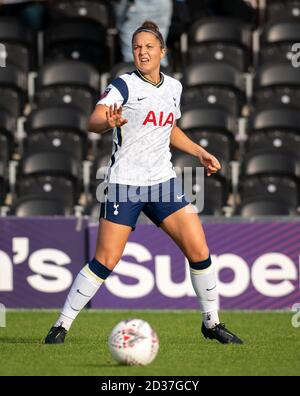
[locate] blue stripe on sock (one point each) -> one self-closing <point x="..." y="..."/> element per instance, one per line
<point x="201" y="265"/>
<point x="99" y="269"/>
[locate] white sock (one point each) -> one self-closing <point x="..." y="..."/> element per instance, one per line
<point x="85" y="286"/>
<point x="205" y="285"/>
<point x="210" y="319"/>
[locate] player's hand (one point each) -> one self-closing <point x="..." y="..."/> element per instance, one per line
<point x="210" y="163"/>
<point x="114" y="116"/>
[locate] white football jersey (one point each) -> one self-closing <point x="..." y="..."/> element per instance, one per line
<point x="141" y="148"/>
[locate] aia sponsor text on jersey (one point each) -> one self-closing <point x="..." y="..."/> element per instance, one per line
<point x="159" y="119"/>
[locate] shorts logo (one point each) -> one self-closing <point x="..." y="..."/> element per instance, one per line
<point x="116" y="212"/>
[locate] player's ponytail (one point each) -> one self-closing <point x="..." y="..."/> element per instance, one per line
<point x="150" y="27"/>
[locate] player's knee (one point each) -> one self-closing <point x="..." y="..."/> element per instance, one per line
<point x="108" y="259"/>
<point x="201" y="264"/>
<point x="198" y="254"/>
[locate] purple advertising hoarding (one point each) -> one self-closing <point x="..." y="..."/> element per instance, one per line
<point x="38" y="260"/>
<point x="257" y="266"/>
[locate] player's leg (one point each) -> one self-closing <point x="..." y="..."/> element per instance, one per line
<point x="173" y="213"/>
<point x="111" y="241"/>
<point x="185" y="228"/>
<point x="118" y="216"/>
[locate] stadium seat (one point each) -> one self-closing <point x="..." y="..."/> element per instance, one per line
<point x="13" y="90"/>
<point x="272" y="152"/>
<point x="17" y="55"/>
<point x="215" y="196"/>
<point x="215" y="84"/>
<point x="182" y="160"/>
<point x="56" y="144"/>
<point x="279" y="141"/>
<point x="100" y="162"/>
<point x="277" y="83"/>
<point x="271" y="163"/>
<point x="70" y="83"/>
<point x="265" y="195"/>
<point x="277" y="40"/>
<point x="104" y="142"/>
<point x="19" y="42"/>
<point x="275" y="118"/>
<point x="77" y="39"/>
<point x="214" y="129"/>
<point x="65" y="173"/>
<point x="2" y="168"/>
<point x="61" y="129"/>
<point x="256" y="208"/>
<point x="65" y="142"/>
<point x="215" y="193"/>
<point x="195" y="117"/>
<point x="6" y="149"/>
<point x="275" y="54"/>
<point x="278" y="9"/>
<point x="50" y="162"/>
<point x="220" y="144"/>
<point x="3" y="183"/>
<point x="6" y="135"/>
<point x="98" y="10"/>
<point x="40" y="206"/>
<point x="56" y="117"/>
<point x="280" y="188"/>
<point x="282" y="31"/>
<point x="2" y="191"/>
<point x="220" y="39"/>
<point x="54" y="187"/>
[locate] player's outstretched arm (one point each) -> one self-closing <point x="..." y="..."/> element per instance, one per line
<point x="182" y="142"/>
<point x="105" y="118"/>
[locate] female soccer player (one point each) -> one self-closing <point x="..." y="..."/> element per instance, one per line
<point x="140" y="167"/>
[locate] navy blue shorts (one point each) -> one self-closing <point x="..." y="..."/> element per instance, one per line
<point x="123" y="203"/>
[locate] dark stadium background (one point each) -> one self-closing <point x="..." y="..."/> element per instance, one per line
<point x="240" y="70"/>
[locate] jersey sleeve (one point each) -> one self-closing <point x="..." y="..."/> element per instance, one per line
<point x="178" y="96"/>
<point x="116" y="92"/>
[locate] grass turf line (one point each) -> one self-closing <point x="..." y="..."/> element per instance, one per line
<point x="272" y="345"/>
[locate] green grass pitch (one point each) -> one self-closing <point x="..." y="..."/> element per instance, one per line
<point x="272" y="345"/>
